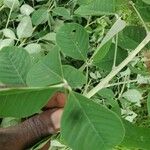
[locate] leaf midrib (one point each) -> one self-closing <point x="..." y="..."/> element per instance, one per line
<point x="89" y="121"/>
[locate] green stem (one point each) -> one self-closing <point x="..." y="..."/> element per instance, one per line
<point x="2" y="8"/>
<point x="139" y="15"/>
<point x="120" y="83"/>
<point x="9" y="15"/>
<point x="115" y="54"/>
<point x="117" y="69"/>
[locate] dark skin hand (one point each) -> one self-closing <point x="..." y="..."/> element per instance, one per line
<point x="27" y="133"/>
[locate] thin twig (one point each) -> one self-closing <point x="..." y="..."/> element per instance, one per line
<point x="120" y="83"/>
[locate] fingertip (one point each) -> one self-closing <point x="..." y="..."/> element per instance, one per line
<point x="57" y="101"/>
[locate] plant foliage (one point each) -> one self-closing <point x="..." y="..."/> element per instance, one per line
<point x="96" y="51"/>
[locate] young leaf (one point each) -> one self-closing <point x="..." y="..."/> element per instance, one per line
<point x="26" y="9"/>
<point x="48" y="71"/>
<point x="25" y="29"/>
<point x="33" y="48"/>
<point x="9" y="33"/>
<point x="73" y="40"/>
<point x="133" y="95"/>
<point x="26" y="101"/>
<point x="12" y="4"/>
<point x="6" y="42"/>
<point x="74" y="77"/>
<point x="118" y="26"/>
<point x="105" y="129"/>
<point x="39" y="16"/>
<point x="14" y="65"/>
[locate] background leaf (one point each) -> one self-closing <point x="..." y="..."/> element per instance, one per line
<point x="6" y="42"/>
<point x="14" y="65"/>
<point x="73" y="41"/>
<point x="74" y="77"/>
<point x="118" y="26"/>
<point x="39" y="16"/>
<point x="144" y="10"/>
<point x="102" y="52"/>
<point x="25" y="29"/>
<point x="146" y="1"/>
<point x="26" y="9"/>
<point x="97" y="7"/>
<point x="12" y="4"/>
<point x="131" y="36"/>
<point x="110" y="100"/>
<point x="136" y="137"/>
<point x="9" y="33"/>
<point x="62" y="11"/>
<point x="105" y="129"/>
<point x="35" y="51"/>
<point x="107" y="62"/>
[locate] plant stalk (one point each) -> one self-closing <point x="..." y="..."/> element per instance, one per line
<point x="117" y="69"/>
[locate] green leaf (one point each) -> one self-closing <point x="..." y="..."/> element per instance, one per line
<point x="74" y="77"/>
<point x="102" y="52"/>
<point x="26" y="9"/>
<point x="133" y="95"/>
<point x="25" y="29"/>
<point x="102" y="127"/>
<point x="35" y="51"/>
<point x="33" y="48"/>
<point x="6" y="42"/>
<point x="9" y="33"/>
<point x="39" y="16"/>
<point x="73" y="40"/>
<point x="118" y="26"/>
<point x="131" y="36"/>
<point x="14" y="65"/>
<point x="50" y="37"/>
<point x="62" y="11"/>
<point x="146" y="1"/>
<point x="82" y="2"/>
<point x="104" y="46"/>
<point x="48" y="71"/>
<point x="144" y="10"/>
<point x="97" y="7"/>
<point x="110" y="99"/>
<point x="23" y="102"/>
<point x="136" y="137"/>
<point x="106" y="63"/>
<point x="12" y="4"/>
